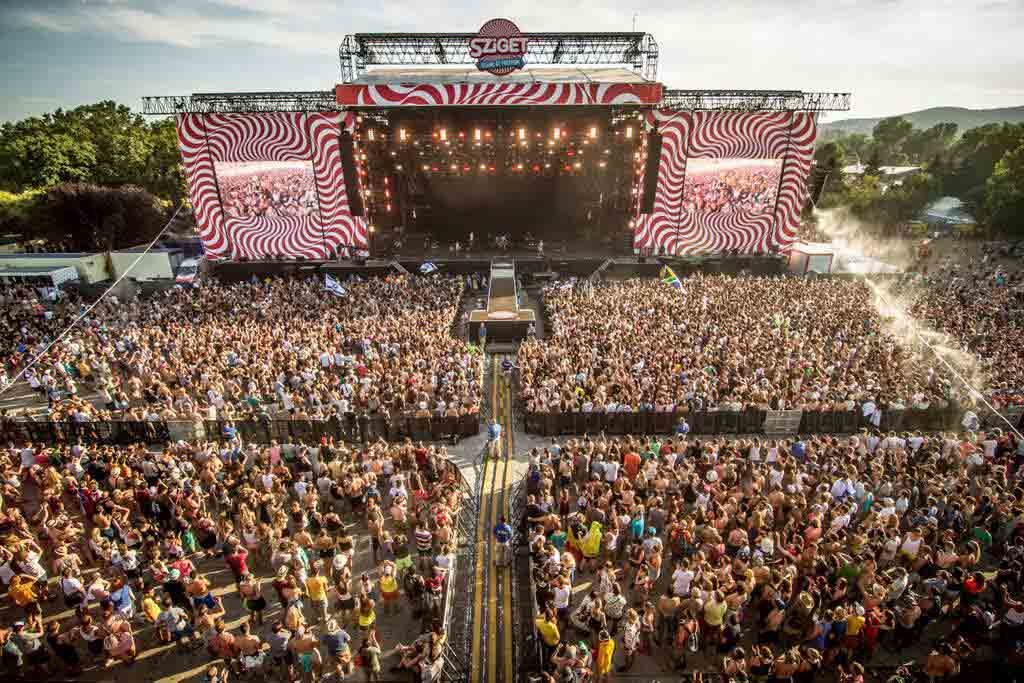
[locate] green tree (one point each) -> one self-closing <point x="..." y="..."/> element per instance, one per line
<point x="889" y="135"/>
<point x="80" y="217"/>
<point x="1004" y="196"/>
<point x="874" y="165"/>
<point x="103" y="143"/>
<point x="926" y="144"/>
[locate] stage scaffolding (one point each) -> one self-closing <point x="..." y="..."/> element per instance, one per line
<point x="638" y="51"/>
<point x="324" y="100"/>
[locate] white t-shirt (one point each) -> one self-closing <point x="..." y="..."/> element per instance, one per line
<point x="681" y="579"/>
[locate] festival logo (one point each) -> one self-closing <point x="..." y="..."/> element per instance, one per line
<point x="498" y="47"/>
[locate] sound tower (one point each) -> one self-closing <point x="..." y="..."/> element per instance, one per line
<point x="349" y="173"/>
<point x="651" y="172"/>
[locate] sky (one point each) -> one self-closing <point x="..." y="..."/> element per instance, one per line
<point x="895" y="56"/>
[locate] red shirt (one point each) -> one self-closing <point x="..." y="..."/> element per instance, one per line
<point x="237" y="562"/>
<point x="631" y="463"/>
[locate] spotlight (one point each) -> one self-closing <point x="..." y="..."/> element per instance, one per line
<point x="444" y="133"/>
<point x="629" y="131"/>
<point x="401" y="134"/>
<point x="522" y="133"/>
<point x="369" y="134"/>
<point x="476" y="134"/>
<point x="556" y="133"/>
<point x="483" y="167"/>
<point x="593" y="132"/>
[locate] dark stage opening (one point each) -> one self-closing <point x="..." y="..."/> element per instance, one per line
<point x="526" y="174"/>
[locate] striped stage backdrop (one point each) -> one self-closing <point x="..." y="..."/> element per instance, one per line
<point x="671" y="228"/>
<point x="206" y="139"/>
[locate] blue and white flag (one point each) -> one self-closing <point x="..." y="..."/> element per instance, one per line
<point x="333" y="286"/>
<point x="428" y="268"/>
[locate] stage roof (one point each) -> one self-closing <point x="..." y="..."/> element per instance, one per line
<point x="529" y="74"/>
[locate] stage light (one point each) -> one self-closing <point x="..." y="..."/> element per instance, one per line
<point x="519" y="167"/>
<point x="483" y="167"/>
<point x="389" y="207"/>
<point x="426" y="167"/>
<point x="401" y="134"/>
<point x="444" y="133"/>
<point x="593" y="132"/>
<point x="602" y="164"/>
<point x="522" y="133"/>
<point x="629" y="131"/>
<point x="551" y="143"/>
<point x="524" y="143"/>
<point x="547" y="165"/>
<point x="577" y="165"/>
<point x="556" y="133"/>
<point x="394" y="153"/>
<point x="398" y="167"/>
<point x="462" y="134"/>
<point x="476" y="134"/>
<point x="369" y="134"/>
<point x="454" y="166"/>
<point x="373" y="229"/>
<point x="536" y="167"/>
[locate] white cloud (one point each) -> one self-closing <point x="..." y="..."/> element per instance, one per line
<point x="895" y="55"/>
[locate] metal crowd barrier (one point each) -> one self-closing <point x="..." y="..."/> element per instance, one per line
<point x="350" y="427"/>
<point x="735" y="422"/>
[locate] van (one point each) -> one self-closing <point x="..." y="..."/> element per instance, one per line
<point x="188" y="272"/>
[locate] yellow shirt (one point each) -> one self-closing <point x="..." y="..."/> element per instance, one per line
<point x="548" y="631"/>
<point x="605" y="652"/>
<point x="316" y="586"/>
<point x="714" y="613"/>
<point x="23" y="594"/>
<point x="150" y="608"/>
<point x="854" y="623"/>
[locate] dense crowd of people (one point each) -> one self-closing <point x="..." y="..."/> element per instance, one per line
<point x="776" y="560"/>
<point x="979" y="306"/>
<point x="281" y="348"/>
<point x="725" y="343"/>
<point x="743" y="189"/>
<point x="282" y="193"/>
<point x="108" y="552"/>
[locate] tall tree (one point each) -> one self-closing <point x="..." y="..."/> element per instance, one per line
<point x="1004" y="197"/>
<point x="889" y="135"/>
<point x="80" y="217"/>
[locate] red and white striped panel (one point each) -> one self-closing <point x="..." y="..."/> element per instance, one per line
<point x="496" y="94"/>
<point x="793" y="191"/>
<point x="276" y="136"/>
<point x="778" y="135"/>
<point x="202" y="184"/>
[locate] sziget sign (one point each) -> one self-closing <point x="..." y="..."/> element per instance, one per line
<point x="498" y="47"/>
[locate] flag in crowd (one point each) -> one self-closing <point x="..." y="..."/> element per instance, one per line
<point x="333" y="286"/>
<point x="428" y="268"/>
<point x="669" y="278"/>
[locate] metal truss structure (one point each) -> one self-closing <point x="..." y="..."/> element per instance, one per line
<point x="243" y="102"/>
<point x="324" y="100"/>
<point x="754" y="100"/>
<point x="357" y="51"/>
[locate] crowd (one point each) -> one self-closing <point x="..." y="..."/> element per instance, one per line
<point x="280" y="560"/>
<point x="776" y="560"/>
<point x="725" y="343"/>
<point x="979" y="306"/>
<point x="750" y="189"/>
<point x="285" y="193"/>
<point x="276" y="349"/>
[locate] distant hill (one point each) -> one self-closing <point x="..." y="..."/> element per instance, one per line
<point x="926" y="118"/>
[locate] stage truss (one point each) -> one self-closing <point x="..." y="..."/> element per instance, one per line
<point x="357" y="51"/>
<point x="754" y="100"/>
<point x="324" y="101"/>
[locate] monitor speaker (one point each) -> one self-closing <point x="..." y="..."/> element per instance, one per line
<point x="350" y="174"/>
<point x="651" y="172"/>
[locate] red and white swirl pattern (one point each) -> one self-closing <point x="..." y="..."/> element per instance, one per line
<point x="776" y="135"/>
<point x="496" y="94"/>
<point x="277" y="136"/>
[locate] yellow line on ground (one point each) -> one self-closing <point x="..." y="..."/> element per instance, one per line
<point x="492" y="595"/>
<point x="482" y="537"/>
<point x="507" y="572"/>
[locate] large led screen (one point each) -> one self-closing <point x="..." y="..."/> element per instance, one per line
<point x="267" y="189"/>
<point x="731" y="186"/>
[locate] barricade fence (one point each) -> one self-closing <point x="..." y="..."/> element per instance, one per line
<point x="350" y="427"/>
<point x="737" y="422"/>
